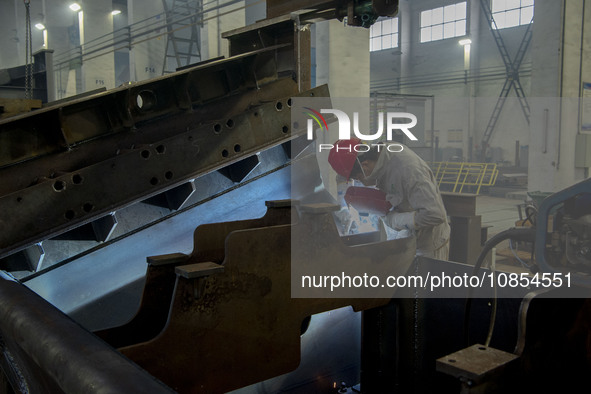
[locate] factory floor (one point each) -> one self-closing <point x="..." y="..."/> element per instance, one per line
<point x="498" y="212"/>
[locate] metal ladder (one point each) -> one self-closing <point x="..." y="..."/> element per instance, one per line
<point x="512" y="68"/>
<point x="183" y="22"/>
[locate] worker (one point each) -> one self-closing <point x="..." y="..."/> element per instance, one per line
<point x="409" y="186"/>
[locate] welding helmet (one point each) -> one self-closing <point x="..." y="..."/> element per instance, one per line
<point x="342" y="156"/>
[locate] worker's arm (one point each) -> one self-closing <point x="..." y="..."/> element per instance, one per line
<point x="418" y="191"/>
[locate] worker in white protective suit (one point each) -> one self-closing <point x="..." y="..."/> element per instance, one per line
<point x="410" y="188"/>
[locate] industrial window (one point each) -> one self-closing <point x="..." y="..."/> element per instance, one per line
<point x="383" y="35"/>
<point x="510" y="13"/>
<point x="443" y="22"/>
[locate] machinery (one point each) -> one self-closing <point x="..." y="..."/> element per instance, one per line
<point x="207" y="141"/>
<point x="550" y="351"/>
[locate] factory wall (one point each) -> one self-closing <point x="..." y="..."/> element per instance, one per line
<point x="561" y="51"/>
<point x="12" y="29"/>
<point x="465" y="86"/>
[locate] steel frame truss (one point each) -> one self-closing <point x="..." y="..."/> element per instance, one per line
<point x="75" y="162"/>
<point x="512" y="67"/>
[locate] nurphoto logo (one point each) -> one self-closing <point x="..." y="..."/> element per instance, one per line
<point x="393" y="121"/>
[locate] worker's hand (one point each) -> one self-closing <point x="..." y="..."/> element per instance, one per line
<point x="387" y="232"/>
<point x="342" y="186"/>
<point x="401" y="220"/>
<point x="345" y="220"/>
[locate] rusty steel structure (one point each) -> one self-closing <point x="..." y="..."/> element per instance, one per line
<point x="233" y="277"/>
<point x="225" y="316"/>
<point x="232" y="287"/>
<point x="75" y="162"/>
<point x="66" y="165"/>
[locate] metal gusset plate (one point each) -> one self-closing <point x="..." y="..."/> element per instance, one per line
<point x="209" y="240"/>
<point x="240" y="324"/>
<point x="180" y="147"/>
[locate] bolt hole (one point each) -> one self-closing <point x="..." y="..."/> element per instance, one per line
<point x="230" y="123"/>
<point x="237" y="148"/>
<point x="69" y="214"/>
<point x="451" y="360"/>
<point x="168" y="175"/>
<point x="289" y="102"/>
<point x="19" y="199"/>
<point x="296" y="125"/>
<point x="146" y="100"/>
<point x="160" y="149"/>
<point x="145" y="153"/>
<point x="154" y="181"/>
<point x="225" y="153"/>
<point x="58" y="186"/>
<point x="77" y="179"/>
<point x="256" y="114"/>
<point x="217" y="128"/>
<point x="88" y="207"/>
<point x="285" y="129"/>
<point x="278" y="106"/>
<point x="481" y="348"/>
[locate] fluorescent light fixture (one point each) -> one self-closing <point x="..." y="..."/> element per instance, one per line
<point x="115" y="12"/>
<point x="75" y="7"/>
<point x="40" y="26"/>
<point x="465" y="41"/>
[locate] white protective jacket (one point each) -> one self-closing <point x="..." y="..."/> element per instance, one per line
<point x="410" y="187"/>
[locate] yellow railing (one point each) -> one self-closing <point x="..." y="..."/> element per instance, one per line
<point x="460" y="175"/>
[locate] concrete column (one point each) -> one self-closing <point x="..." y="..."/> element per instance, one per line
<point x="408" y="27"/>
<point x="560" y="47"/>
<point x="342" y="62"/>
<point x="476" y="26"/>
<point x="96" y="24"/>
<point x="147" y="58"/>
<point x="342" y="59"/>
<point x="217" y="21"/>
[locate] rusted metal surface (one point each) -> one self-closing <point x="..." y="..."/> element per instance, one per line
<point x="291" y="36"/>
<point x="69" y="164"/>
<point x="475" y="363"/>
<point x="358" y="13"/>
<point x="209" y="240"/>
<point x="481" y="369"/>
<point x="243" y="326"/>
<point x="44" y="351"/>
<point x="168" y="150"/>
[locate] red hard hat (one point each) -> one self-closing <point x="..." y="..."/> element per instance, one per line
<point x="342" y="156"/>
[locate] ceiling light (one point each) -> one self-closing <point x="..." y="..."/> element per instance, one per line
<point x="40" y="26"/>
<point x="465" y="41"/>
<point x="115" y="12"/>
<point x="75" y="7"/>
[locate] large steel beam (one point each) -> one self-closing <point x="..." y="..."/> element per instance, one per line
<point x="358" y="13"/>
<point x="44" y="351"/>
<point x="231" y="305"/>
<point x="70" y="164"/>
